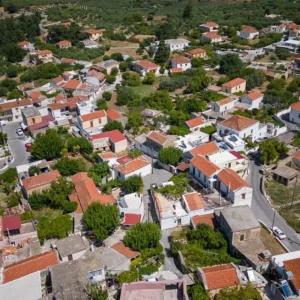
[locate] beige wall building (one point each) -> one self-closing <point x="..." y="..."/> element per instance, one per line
<point x="234" y="86"/>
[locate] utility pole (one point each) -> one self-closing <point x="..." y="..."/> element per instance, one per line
<point x="294" y="191"/>
<point x="273" y="219"/>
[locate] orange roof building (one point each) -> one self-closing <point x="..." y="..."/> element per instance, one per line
<point x="193" y="202"/>
<point x="234" y="86"/>
<point x="72" y="84"/>
<point x="205" y="149"/>
<point x="237" y="124"/>
<point x="64" y="44"/>
<point x="86" y="193"/>
<point x="222" y="105"/>
<point x="253" y="99"/>
<point x="218" y="277"/>
<point x="208" y="219"/>
<point x="146" y="66"/>
<point x="195" y="53"/>
<point x="210" y="26"/>
<point x="93" y="115"/>
<point x="212" y="36"/>
<point x="203" y="169"/>
<point x="232" y="180"/>
<point x="122" y="249"/>
<point x="30" y="265"/>
<point x="194" y="123"/>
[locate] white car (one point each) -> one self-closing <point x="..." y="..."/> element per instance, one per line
<point x="279" y="233"/>
<point x="19" y="132"/>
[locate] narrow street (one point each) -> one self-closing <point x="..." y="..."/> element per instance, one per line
<point x="265" y="213"/>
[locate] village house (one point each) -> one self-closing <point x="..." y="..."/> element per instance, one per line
<point x="222" y="105"/>
<point x="12" y="109"/>
<point x="271" y="75"/>
<point x="31" y="115"/>
<point x="253" y="99"/>
<point x="194" y="124"/>
<point x="285" y="175"/>
<point x="295" y="112"/>
<point x="38" y="183"/>
<point x="90" y="44"/>
<point x="248" y="32"/>
<point x="234" y="187"/>
<point x="191" y="140"/>
<point x="145" y="66"/>
<point x="45" y="56"/>
<point x="196" y="53"/>
<point x="296" y="159"/>
<point x="177" y="44"/>
<point x="112" y="140"/>
<point x="181" y="62"/>
<point x="203" y="149"/>
<point x="72" y="85"/>
<point x="71" y="247"/>
<point x="86" y="193"/>
<point x="26" y="46"/>
<point x="69" y="61"/>
<point x="106" y="65"/>
<point x="137" y="166"/>
<point x="208" y="219"/>
<point x="243" y="127"/>
<point x="94" y="34"/>
<point x="109" y="157"/>
<point x="64" y="44"/>
<point x="234" y="86"/>
<point x="193" y="204"/>
<point x="92" y="123"/>
<point x="210" y="26"/>
<point x="213" y="37"/>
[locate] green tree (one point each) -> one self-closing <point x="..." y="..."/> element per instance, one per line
<point x="271" y="149"/>
<point x="125" y="96"/>
<point x="14" y="53"/>
<point x="102" y="219"/>
<point x="85" y="146"/>
<point x="12" y="71"/>
<point x="113" y="126"/>
<point x="3" y="138"/>
<point x="68" y="166"/>
<point x="134" y="184"/>
<point x="110" y="79"/>
<point x="179" y="130"/>
<point x="101" y="104"/>
<point x="239" y="293"/>
<point x="114" y="71"/>
<point x="132" y="79"/>
<point x="198" y="292"/>
<point x="98" y="171"/>
<point x="106" y="96"/>
<point x="177" y="118"/>
<point x="149" y="78"/>
<point x="187" y="12"/>
<point x="123" y="66"/>
<point x="117" y="56"/>
<point x="143" y="236"/>
<point x="135" y="153"/>
<point x="162" y="53"/>
<point x="159" y="100"/>
<point x="230" y="64"/>
<point x="9" y="176"/>
<point x="134" y="121"/>
<point x="170" y="155"/>
<point x="96" y="292"/>
<point x="47" y="146"/>
<point x="58" y="227"/>
<point x="282" y="53"/>
<point x="34" y="170"/>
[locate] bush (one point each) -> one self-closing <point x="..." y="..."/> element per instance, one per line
<point x="110" y="79"/>
<point x="113" y="126"/>
<point x="170" y="156"/>
<point x="34" y="170"/>
<point x="179" y="130"/>
<point x="133" y="184"/>
<point x="106" y="96"/>
<point x="101" y="104"/>
<point x="68" y="166"/>
<point x="149" y="78"/>
<point x="143" y="236"/>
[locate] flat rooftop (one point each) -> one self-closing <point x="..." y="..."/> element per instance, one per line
<point x="29" y="112"/>
<point x="133" y="200"/>
<point x="285" y="172"/>
<point x="190" y="141"/>
<point x="222" y="157"/>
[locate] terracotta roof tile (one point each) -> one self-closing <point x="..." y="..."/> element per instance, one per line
<point x="11" y="223"/>
<point x="113" y="114"/>
<point x="40" y="180"/>
<point x="212" y="35"/>
<point x="175" y="70"/>
<point x="114" y="136"/>
<point x="147" y="64"/>
<point x="234" y="82"/>
<point x="293" y="265"/>
<point x="72" y="84"/>
<point x="58" y="79"/>
<point x="107" y="155"/>
<point x="210" y="24"/>
<point x="230" y="177"/>
<point x="221" y="276"/>
<point x="196" y="51"/>
<point x="181" y="60"/>
<point x="93" y="115"/>
<point x="30" y="265"/>
<point x="224" y="101"/>
<point x="254" y="95"/>
<point x="132" y="219"/>
<point x="249" y="29"/>
<point x="204" y="165"/>
<point x="297" y="156"/>
<point x="194" y="201"/>
<point x="194" y="122"/>
<point x="24" y="43"/>
<point x="238" y="123"/>
<point x="64" y="42"/>
<point x="68" y="60"/>
<point x="133" y="165"/>
<point x="208" y="219"/>
<point x="44" y="52"/>
<point x="296" y="106"/>
<point x="12" y="104"/>
<point x="157" y="137"/>
<point x="205" y="149"/>
<point x="43" y="124"/>
<point x="121" y="248"/>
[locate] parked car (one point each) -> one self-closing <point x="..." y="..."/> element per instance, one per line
<point x="279" y="233"/>
<point x="19" y="131"/>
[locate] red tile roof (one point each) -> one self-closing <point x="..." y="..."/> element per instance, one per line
<point x="11" y="223"/>
<point x="254" y="95"/>
<point x="208" y="219"/>
<point x="210" y="24"/>
<point x="194" y="122"/>
<point x="249" y="29"/>
<point x="212" y="35"/>
<point x="107" y="155"/>
<point x="204" y="165"/>
<point x="114" y="136"/>
<point x="293" y="265"/>
<point x="124" y="159"/>
<point x="132" y="219"/>
<point x="175" y="70"/>
<point x="64" y="42"/>
<point x="297" y="156"/>
<point x="132" y="166"/>
<point x="30" y="265"/>
<point x="221" y="276"/>
<point x="224" y="101"/>
<point x="68" y="60"/>
<point x="238" y="123"/>
<point x="181" y="60"/>
<point x="194" y="201"/>
<point x="72" y="84"/>
<point x="121" y="248"/>
<point x="232" y="179"/>
<point x="233" y="83"/>
<point x="296" y="106"/>
<point x="196" y="51"/>
<point x="237" y="155"/>
<point x="43" y="124"/>
<point x="205" y="149"/>
<point x="58" y="79"/>
<point x="113" y="114"/>
<point x="147" y="64"/>
<point x="87" y="193"/>
<point x="157" y="137"/>
<point x="44" y="52"/>
<point x="12" y="104"/>
<point x="24" y="43"/>
<point x="93" y="115"/>
<point x="40" y="180"/>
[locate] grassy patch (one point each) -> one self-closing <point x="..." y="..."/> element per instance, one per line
<point x="271" y="243"/>
<point x="48" y="212"/>
<point x="292" y="216"/>
<point x="280" y="194"/>
<point x="143" y="90"/>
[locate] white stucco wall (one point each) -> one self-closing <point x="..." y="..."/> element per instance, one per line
<point x="294" y="116"/>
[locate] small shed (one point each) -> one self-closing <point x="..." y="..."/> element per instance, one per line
<point x="285" y="175"/>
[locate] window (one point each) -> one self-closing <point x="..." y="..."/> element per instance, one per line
<point x="229" y="165"/>
<point x="91" y="124"/>
<point x="251" y="130"/>
<point x="33" y="120"/>
<point x="242" y="237"/>
<point x="179" y="221"/>
<point x="243" y="196"/>
<point x="100" y="121"/>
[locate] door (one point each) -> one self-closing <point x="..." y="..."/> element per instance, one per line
<point x="70" y="257"/>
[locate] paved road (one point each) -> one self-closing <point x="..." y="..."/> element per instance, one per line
<point x="17" y="146"/>
<point x="265" y="213"/>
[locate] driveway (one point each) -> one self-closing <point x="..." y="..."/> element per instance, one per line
<point x="265" y="213"/>
<point x="16" y="145"/>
